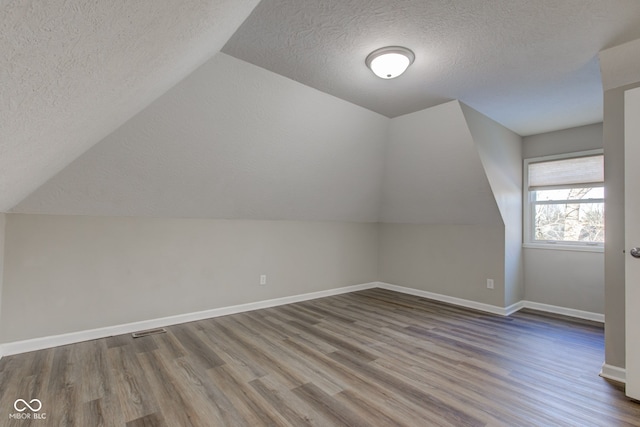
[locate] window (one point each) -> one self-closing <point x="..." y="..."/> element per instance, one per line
<point x="564" y="201"/>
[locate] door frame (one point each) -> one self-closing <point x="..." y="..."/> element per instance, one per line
<point x="632" y="239"/>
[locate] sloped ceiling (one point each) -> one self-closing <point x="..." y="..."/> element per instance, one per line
<point x="236" y="141"/>
<point x="433" y="172"/>
<point x="72" y="71"/>
<point x="230" y="141"/>
<point x="530" y="65"/>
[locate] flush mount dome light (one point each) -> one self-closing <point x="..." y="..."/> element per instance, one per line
<point x="389" y="62"/>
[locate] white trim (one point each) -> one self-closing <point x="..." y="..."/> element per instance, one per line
<point x="614" y="373"/>
<point x="527" y="205"/>
<point x="514" y="307"/>
<point x="564" y="247"/>
<point x="92" y="334"/>
<point x="494" y="309"/>
<point x="571" y="312"/>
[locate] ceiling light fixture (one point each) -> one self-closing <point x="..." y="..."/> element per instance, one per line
<point x="389" y="62"/>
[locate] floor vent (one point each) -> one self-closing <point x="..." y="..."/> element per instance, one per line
<point x="148" y="332"/>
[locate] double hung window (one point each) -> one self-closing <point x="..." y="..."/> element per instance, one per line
<point x="564" y="201"/>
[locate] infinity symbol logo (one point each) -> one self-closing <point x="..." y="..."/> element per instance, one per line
<point x="27" y="405"/>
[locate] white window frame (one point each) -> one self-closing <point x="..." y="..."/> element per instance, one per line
<point x="529" y="206"/>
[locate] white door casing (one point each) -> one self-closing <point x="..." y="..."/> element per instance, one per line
<point x="632" y="240"/>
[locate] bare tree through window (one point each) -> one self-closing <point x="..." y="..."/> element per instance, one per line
<point x="575" y="214"/>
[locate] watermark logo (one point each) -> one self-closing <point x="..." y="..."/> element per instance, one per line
<point x="21" y="405"/>
<point x="33" y="406"/>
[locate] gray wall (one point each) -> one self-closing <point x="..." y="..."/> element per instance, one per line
<point x="570" y="140"/>
<point x="614" y="222"/>
<point x="442" y="230"/>
<point x="231" y="140"/>
<point x="568" y="279"/>
<point x="234" y="141"/>
<point x="501" y="154"/>
<point x="452" y="260"/>
<point x="620" y="71"/>
<point x="72" y="273"/>
<point x="433" y="173"/>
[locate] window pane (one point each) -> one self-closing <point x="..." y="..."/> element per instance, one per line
<point x="583" y="222"/>
<point x="569" y="194"/>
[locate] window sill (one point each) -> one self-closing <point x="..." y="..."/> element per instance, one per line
<point x="561" y="247"/>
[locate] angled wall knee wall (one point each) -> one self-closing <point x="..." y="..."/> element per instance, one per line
<point x="451" y="216"/>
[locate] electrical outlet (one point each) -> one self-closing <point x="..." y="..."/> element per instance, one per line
<point x="263" y="279"/>
<point x="489" y="283"/>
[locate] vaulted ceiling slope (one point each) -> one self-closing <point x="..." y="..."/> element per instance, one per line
<point x="530" y="65"/>
<point x="230" y="141"/>
<point x="234" y="140"/>
<point x="433" y="171"/>
<point x="72" y="71"/>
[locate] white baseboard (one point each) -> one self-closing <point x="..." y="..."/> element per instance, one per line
<point x="494" y="309"/>
<point x="92" y="334"/>
<point x="613" y="373"/>
<point x="509" y="310"/>
<point x="571" y="312"/>
<point x="74" y="337"/>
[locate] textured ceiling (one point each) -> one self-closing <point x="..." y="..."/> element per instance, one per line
<point x="72" y="71"/>
<point x="236" y="141"/>
<point x="530" y="65"/>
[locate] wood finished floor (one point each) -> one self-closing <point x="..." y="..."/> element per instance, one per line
<point x="369" y="358"/>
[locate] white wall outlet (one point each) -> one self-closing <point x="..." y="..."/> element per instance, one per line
<point x="489" y="283"/>
<point x="263" y="279"/>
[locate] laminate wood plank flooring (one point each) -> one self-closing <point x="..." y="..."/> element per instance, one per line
<point x="368" y="358"/>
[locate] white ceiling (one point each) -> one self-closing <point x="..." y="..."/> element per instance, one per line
<point x="530" y="65"/>
<point x="236" y="141"/>
<point x="73" y="71"/>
